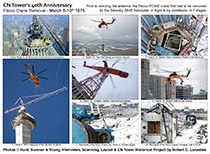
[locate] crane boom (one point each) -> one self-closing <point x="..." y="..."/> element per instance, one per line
<point x="36" y="100"/>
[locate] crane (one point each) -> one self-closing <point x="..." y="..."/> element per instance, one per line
<point x="62" y="46"/>
<point x="43" y="96"/>
<point x="89" y="87"/>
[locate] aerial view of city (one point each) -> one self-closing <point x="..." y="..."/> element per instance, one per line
<point x="27" y="35"/>
<point x="105" y="35"/>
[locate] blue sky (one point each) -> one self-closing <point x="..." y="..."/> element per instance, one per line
<point x="51" y="114"/>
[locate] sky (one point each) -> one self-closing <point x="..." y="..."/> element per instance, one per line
<point x="197" y="77"/>
<point x="125" y="88"/>
<point x="124" y="29"/>
<point x="52" y="113"/>
<point x="104" y="103"/>
<point x="180" y="105"/>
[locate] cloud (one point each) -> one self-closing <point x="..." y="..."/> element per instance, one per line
<point x="83" y="33"/>
<point x="85" y="30"/>
<point x="127" y="36"/>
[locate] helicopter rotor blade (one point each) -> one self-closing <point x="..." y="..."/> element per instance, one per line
<point x="166" y="71"/>
<point x="25" y="79"/>
<point x="42" y="71"/>
<point x="96" y="20"/>
<point x="33" y="69"/>
<point x="113" y="83"/>
<point x="42" y="77"/>
<point x="183" y="70"/>
<point x="115" y="62"/>
<point x="24" y="72"/>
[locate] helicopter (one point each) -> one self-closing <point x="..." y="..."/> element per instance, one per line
<point x="174" y="75"/>
<point x="32" y="75"/>
<point x="104" y="24"/>
<point x="108" y="70"/>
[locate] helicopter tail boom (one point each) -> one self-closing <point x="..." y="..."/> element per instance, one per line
<point x="26" y="65"/>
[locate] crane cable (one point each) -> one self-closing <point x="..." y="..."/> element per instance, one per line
<point x="127" y="125"/>
<point x="55" y="38"/>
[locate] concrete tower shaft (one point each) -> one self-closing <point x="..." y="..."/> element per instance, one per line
<point x="23" y="124"/>
<point x="145" y="79"/>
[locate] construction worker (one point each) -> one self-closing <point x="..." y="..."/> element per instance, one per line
<point x="192" y="22"/>
<point x="180" y="23"/>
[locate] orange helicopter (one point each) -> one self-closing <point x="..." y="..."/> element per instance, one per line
<point x="33" y="76"/>
<point x="174" y="75"/>
<point x="104" y="24"/>
<point x="108" y="70"/>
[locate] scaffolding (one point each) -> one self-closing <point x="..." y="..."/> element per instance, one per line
<point x="89" y="87"/>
